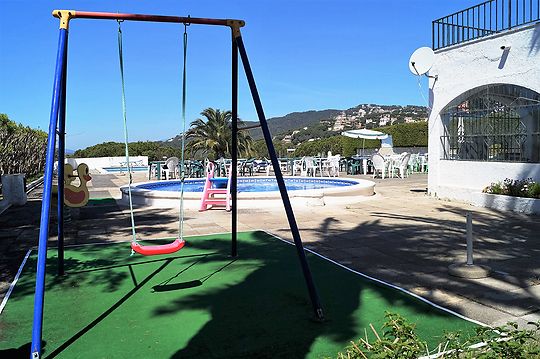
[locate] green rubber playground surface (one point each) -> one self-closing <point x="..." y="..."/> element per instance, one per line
<point x="200" y="303"/>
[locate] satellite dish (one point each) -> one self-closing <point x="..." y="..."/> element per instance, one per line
<point x="421" y="60"/>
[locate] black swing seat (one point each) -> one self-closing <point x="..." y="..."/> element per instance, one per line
<point x="158" y="249"/>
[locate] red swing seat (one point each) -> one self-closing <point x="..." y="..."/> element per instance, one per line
<point x="158" y="249"/>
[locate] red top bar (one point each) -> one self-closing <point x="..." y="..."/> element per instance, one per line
<point x="74" y="14"/>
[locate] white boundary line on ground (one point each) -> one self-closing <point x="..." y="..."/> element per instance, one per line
<point x="12" y="286"/>
<point x="384" y="283"/>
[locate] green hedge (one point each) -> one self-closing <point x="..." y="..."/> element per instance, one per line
<point x="153" y="150"/>
<point x="413" y="134"/>
<point x="22" y="149"/>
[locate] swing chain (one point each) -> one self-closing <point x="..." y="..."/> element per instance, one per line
<point x="179" y="242"/>
<point x="126" y="138"/>
<point x="183" y="159"/>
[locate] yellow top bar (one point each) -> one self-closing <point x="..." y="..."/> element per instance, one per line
<point x="64" y="16"/>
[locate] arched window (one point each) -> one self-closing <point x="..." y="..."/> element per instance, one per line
<point x="498" y="122"/>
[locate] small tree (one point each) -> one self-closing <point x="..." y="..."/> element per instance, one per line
<point x="213" y="137"/>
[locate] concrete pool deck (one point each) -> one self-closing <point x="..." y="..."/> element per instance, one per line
<point x="400" y="235"/>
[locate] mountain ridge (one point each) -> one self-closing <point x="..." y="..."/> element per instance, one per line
<point x="334" y="120"/>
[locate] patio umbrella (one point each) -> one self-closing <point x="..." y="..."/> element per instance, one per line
<point x="365" y="133"/>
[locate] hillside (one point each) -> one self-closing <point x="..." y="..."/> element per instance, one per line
<point x="324" y="123"/>
<point x="293" y="121"/>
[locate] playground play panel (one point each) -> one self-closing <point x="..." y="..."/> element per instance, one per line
<point x="200" y="302"/>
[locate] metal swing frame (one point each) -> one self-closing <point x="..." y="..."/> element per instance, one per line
<point x="57" y="127"/>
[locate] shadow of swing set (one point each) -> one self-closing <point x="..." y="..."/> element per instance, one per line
<point x="57" y="126"/>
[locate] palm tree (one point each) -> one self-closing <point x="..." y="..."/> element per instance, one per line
<point x="213" y="137"/>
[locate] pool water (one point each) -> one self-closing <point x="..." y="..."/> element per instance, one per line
<point x="252" y="184"/>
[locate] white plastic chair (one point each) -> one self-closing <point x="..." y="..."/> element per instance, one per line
<point x="379" y="165"/>
<point x="152" y="171"/>
<point x="310" y="167"/>
<point x="424" y="163"/>
<point x="413" y="163"/>
<point x="283" y="166"/>
<point x="393" y="163"/>
<point x="297" y="166"/>
<point x="402" y="166"/>
<point x="170" y="168"/>
<point x="269" y="166"/>
<point x="331" y="166"/>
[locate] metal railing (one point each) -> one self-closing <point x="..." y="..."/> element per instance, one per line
<point x="484" y="19"/>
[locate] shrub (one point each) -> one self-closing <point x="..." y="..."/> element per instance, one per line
<point x="534" y="190"/>
<point x="22" y="149"/>
<point x="398" y="339"/>
<point x="494" y="188"/>
<point x="517" y="188"/>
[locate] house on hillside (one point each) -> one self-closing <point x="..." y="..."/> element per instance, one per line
<point x="484" y="124"/>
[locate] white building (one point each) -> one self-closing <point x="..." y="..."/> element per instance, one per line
<point x="484" y="124"/>
<point x="384" y="120"/>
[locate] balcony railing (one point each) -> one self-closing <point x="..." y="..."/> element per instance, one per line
<point x="484" y="19"/>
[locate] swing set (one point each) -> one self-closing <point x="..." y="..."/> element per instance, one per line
<point x="57" y="127"/>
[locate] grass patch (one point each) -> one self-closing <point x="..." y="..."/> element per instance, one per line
<point x="200" y="302"/>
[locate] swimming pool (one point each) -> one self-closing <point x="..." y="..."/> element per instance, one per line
<point x="253" y="190"/>
<point x="252" y="184"/>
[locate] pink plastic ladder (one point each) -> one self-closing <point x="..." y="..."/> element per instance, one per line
<point x="210" y="190"/>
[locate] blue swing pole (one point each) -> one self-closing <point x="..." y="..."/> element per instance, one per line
<point x="61" y="157"/>
<point x="47" y="190"/>
<point x="315" y="301"/>
<point x="234" y="129"/>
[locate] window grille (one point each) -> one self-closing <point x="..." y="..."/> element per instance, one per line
<point x="496" y="123"/>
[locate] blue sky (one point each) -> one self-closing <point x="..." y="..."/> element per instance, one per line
<point x="305" y="54"/>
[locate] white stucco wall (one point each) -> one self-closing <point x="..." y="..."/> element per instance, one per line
<point x="464" y="67"/>
<point x="96" y="163"/>
<point x="460" y="179"/>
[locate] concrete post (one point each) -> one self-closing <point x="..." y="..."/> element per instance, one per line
<point x="469" y="240"/>
<point x="13" y="189"/>
<point x="469" y="269"/>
